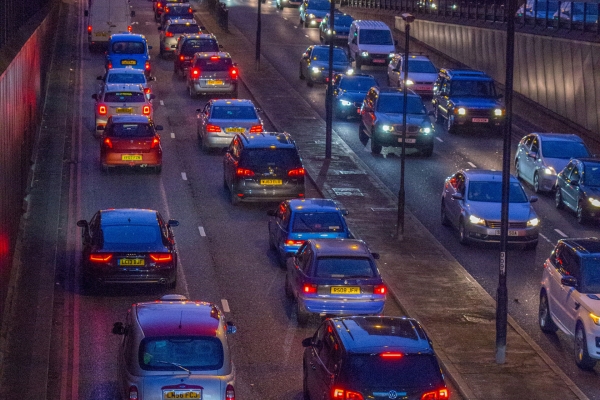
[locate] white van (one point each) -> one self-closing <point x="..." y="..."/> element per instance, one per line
<point x="371" y="43"/>
<point x="106" y="17"/>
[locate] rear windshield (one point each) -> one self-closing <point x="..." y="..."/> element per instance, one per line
<point x="129" y="130"/>
<point x="124" y="97"/>
<point x="393" y="104"/>
<point x="129" y="48"/>
<point x="131" y="234"/>
<point x="213" y="64"/>
<point x="473" y="88"/>
<point x="199" y="46"/>
<point x="198" y="353"/>
<point x="344" y="267"/>
<point x="233" y="112"/>
<point x="421" y="66"/>
<point x="183" y="28"/>
<point x="408" y="371"/>
<point x="322" y="54"/>
<point x="317" y="222"/>
<point x="375" y="36"/>
<point x="358" y="83"/>
<point x="564" y="149"/>
<point x="260" y="159"/>
<point x="177" y="10"/>
<point x="126" y="78"/>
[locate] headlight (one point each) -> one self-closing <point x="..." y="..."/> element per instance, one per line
<point x="426" y="130"/>
<point x="595" y="318"/>
<point x="409" y="82"/>
<point x="345" y="103"/>
<point x="364" y="54"/>
<point x="476" y="220"/>
<point x="350" y="71"/>
<point x="594" y="202"/>
<point x="316" y="70"/>
<point x="462" y="111"/>
<point x="533" y="222"/>
<point x="549" y="171"/>
<point x="311" y="15"/>
<point x="498" y="112"/>
<point x="387" y="128"/>
<point x="391" y="55"/>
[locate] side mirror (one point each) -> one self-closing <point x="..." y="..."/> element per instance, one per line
<point x="345" y="212"/>
<point x="271" y="213"/>
<point x="86" y="13"/>
<point x="82" y="223"/>
<point x="95" y="96"/>
<point x="569" y="281"/>
<point x="376" y="256"/>
<point x="457" y="196"/>
<point x="173" y="222"/>
<point x="230" y="327"/>
<point x="533" y="199"/>
<point x="149" y="47"/>
<point x="307" y="342"/>
<point x="159" y="127"/>
<point x="118" y="328"/>
<point x="100" y="78"/>
<point x="132" y="13"/>
<point x="152" y="96"/>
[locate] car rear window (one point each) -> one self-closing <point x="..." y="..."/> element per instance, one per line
<point x="124" y="97"/>
<point x="131" y="234"/>
<point x="198" y="353"/>
<point x="126" y="78"/>
<point x="393" y="104"/>
<point x="233" y="112"/>
<point x="264" y="159"/>
<point x="317" y="222"/>
<point x="342" y="20"/>
<point x="177" y="10"/>
<point x="375" y="36"/>
<point x="128" y="48"/>
<point x="183" y="28"/>
<point x="129" y="131"/>
<point x="344" y="267"/>
<point x="491" y="192"/>
<point x="199" y="46"/>
<point x="213" y="64"/>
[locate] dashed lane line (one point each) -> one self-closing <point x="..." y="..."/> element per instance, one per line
<point x="225" y="305"/>
<point x="561" y="233"/>
<point x="545" y="238"/>
<point x="184" y="176"/>
<point x="439" y="139"/>
<point x="471" y="164"/>
<point x="172" y="135"/>
<point x="162" y="103"/>
<point x="201" y="230"/>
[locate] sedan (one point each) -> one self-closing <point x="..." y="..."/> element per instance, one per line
<point x="334" y="277"/>
<point x="472" y="202"/>
<point x="221" y="119"/>
<point x="341" y="28"/>
<point x="540" y="156"/>
<point x="349" y="91"/>
<point x="128" y="245"/>
<point x="578" y="188"/>
<point x="314" y="64"/>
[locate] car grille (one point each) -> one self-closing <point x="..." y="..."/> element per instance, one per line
<point x="479" y="112"/>
<point x="511" y="225"/>
<point x="386" y="55"/>
<point x="410" y="129"/>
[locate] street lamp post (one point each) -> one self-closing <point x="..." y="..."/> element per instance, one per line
<point x="329" y="99"/>
<point x="408" y="19"/>
<point x="258" y="34"/>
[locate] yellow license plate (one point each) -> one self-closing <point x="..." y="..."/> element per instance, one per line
<point x="345" y="290"/>
<point x="101" y="33"/>
<point x="271" y="182"/>
<point x="182" y="394"/>
<point x="211" y="82"/>
<point x="131" y="261"/>
<point x="121" y="110"/>
<point x="235" y="130"/>
<point x="128" y="62"/>
<point x="131" y="157"/>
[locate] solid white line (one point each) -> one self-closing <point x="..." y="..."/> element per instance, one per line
<point x="471" y="164"/>
<point x="439" y="139"/>
<point x="225" y="304"/>
<point x="172" y="135"/>
<point x="561" y="233"/>
<point x="162" y="103"/>
<point x="546" y="239"/>
<point x="201" y="230"/>
<point x="184" y="176"/>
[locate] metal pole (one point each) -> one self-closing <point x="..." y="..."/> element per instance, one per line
<point x="329" y="99"/>
<point x="258" y="29"/>
<point x="502" y="293"/>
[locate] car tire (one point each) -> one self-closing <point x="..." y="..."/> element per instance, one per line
<point x="558" y="201"/>
<point x="544" y="317"/>
<point x="272" y="243"/>
<point x="309" y="81"/>
<point x="443" y="216"/>
<point x="158" y="169"/>
<point x="225" y="185"/>
<point x="536" y="183"/>
<point x="439" y="119"/>
<point x="582" y="215"/>
<point x="302" y="317"/>
<point x="362" y="136"/>
<point x="582" y="356"/>
<point x="463" y="236"/>
<point x="375" y="147"/>
<point x="517" y="170"/>
<point x="301" y="74"/>
<point x="428" y="151"/>
<point x="288" y="288"/>
<point x="191" y="92"/>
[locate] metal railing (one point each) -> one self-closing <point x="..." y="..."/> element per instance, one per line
<point x="14" y="14"/>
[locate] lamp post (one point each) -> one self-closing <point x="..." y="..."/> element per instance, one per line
<point x="329" y="99"/>
<point x="408" y="19"/>
<point x="258" y="34"/>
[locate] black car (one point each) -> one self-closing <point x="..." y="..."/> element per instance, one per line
<point x="578" y="188"/>
<point x="263" y="166"/>
<point x="371" y="358"/>
<point x="190" y="44"/>
<point x="349" y="91"/>
<point x="314" y="64"/>
<point x="128" y="246"/>
<point x="176" y="11"/>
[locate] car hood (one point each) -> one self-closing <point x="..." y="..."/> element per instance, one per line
<point x="557" y="163"/>
<point x="517" y="212"/>
<point x="352" y="96"/>
<point x="476" y="102"/>
<point x="337" y="66"/>
<point x="396" y="118"/>
<point x="591" y="191"/>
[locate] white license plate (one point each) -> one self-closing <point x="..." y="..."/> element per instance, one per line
<point x="407" y="140"/>
<point x="510" y="233"/>
<point x="485" y="120"/>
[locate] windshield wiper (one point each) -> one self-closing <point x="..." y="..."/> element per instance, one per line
<point x="176" y="365"/>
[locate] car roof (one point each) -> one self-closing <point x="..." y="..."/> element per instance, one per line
<point x="209" y="54"/>
<point x="125" y="216"/>
<point x="130" y="37"/>
<point x="382" y="334"/>
<point x="313" y="205"/>
<point x="467" y="75"/>
<point x="340" y="247"/>
<point x="182" y="21"/>
<point x="178" y="318"/>
<point x="126" y="70"/>
<point x="483" y="175"/>
<point x="418" y="57"/>
<point x="567" y="137"/>
<point x="589" y="246"/>
<point x="267" y="139"/>
<point x="129" y="87"/>
<point x="326" y="47"/>
<point x="234" y="102"/>
<point x="370" y="24"/>
<point x="186" y="36"/>
<point x="131" y="118"/>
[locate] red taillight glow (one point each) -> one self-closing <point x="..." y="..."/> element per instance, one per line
<point x="342" y="394"/>
<point x="230" y="393"/>
<point x="147" y="90"/>
<point x="380" y="289"/>
<point x="181" y="58"/>
<point x="213" y="128"/>
<point x="233" y="72"/>
<point x="159" y="5"/>
<point x="294" y="242"/>
<point x="244" y="172"/>
<point x="100" y="257"/>
<point x="129" y="29"/>
<point x="161" y="257"/>
<point x="256" y="129"/>
<point x="167" y="10"/>
<point x="214" y="58"/>
<point x="294" y="173"/>
<point x="146" y="110"/>
<point x="147" y="66"/>
<point x="190" y="11"/>
<point x="169" y="34"/>
<point x="155" y="142"/>
<point x="440" y="394"/>
<point x="391" y="354"/>
<point x="109" y="65"/>
<point x="310" y="288"/>
<point x="89" y="29"/>
<point x="102" y="109"/>
<point x="195" y="72"/>
<point x="133" y="392"/>
<point x="107" y="142"/>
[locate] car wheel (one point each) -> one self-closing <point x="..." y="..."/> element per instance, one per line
<point x="582" y="216"/>
<point x="375" y="147"/>
<point x="301" y="316"/>
<point x="444" y="216"/>
<point x="288" y="288"/>
<point x="272" y="243"/>
<point x="536" y="182"/>
<point x="450" y="125"/>
<point x="517" y="170"/>
<point x="427" y="152"/>
<point x="301" y="74"/>
<point x="582" y="357"/>
<point x="362" y="136"/>
<point x="544" y="318"/>
<point x="191" y="92"/>
<point x="463" y="235"/>
<point x="558" y="201"/>
<point x="173" y="284"/>
<point x="233" y="197"/>
<point x="225" y="185"/>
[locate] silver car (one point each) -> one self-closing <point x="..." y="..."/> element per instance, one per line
<point x="212" y="73"/>
<point x="174" y="348"/>
<point x="540" y="156"/>
<point x="171" y="32"/>
<point x="422" y="74"/>
<point x="471" y="202"/>
<point x="221" y="119"/>
<point x="126" y="75"/>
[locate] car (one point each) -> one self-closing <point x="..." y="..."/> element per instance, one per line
<point x="171" y="32"/>
<point x="298" y="220"/>
<point x="159" y="5"/>
<point x="334" y="277"/>
<point x="263" y="166"/>
<point x="422" y="74"/>
<point x="381" y="116"/>
<point x="569" y="295"/>
<point x="341" y="27"/>
<point x="175" y="348"/>
<point x="130" y="246"/>
<point x="126" y="75"/>
<point x="180" y="11"/>
<point x="314" y="63"/>
<point x="212" y="73"/>
<point x="349" y="91"/>
<point x="467" y="98"/>
<point x="131" y="140"/>
<point x="312" y="12"/>
<point x="540" y="156"/>
<point x="188" y="45"/>
<point x="280" y="4"/>
<point x="371" y="358"/>
<point x="472" y="202"/>
<point x="117" y="99"/>
<point x="578" y="188"/>
<point x="371" y="43"/>
<point x="128" y="49"/>
<point x="220" y="119"/>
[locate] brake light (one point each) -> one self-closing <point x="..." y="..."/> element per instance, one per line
<point x="169" y="34"/>
<point x="256" y="129"/>
<point x="147" y="66"/>
<point x="107" y="142"/>
<point x="159" y="5"/>
<point x="129" y="28"/>
<point x="391" y="354"/>
<point x="133" y="392"/>
<point x="310" y="288"/>
<point x="190" y="11"/>
<point x="233" y="72"/>
<point x="294" y="173"/>
<point x="181" y="58"/>
<point x="294" y="242"/>
<point x="230" y="393"/>
<point x="346" y="395"/>
<point x="167" y="10"/>
<point x="109" y="65"/>
<point x="244" y="172"/>
<point x="101" y="257"/>
<point x="380" y="289"/>
<point x="440" y="394"/>
<point x="195" y="72"/>
<point x="147" y="90"/>
<point x="89" y="29"/>
<point x="102" y="109"/>
<point x="161" y="257"/>
<point x="213" y="128"/>
<point x="146" y="110"/>
<point x="155" y="142"/>
<point x="214" y="58"/>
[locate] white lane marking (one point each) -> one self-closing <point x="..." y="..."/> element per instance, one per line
<point x="287" y="19"/>
<point x="288" y="340"/>
<point x="225" y="305"/>
<point x="306" y="35"/>
<point x="201" y="230"/>
<point x="439" y="139"/>
<point x="172" y="135"/>
<point x="162" y="103"/>
<point x="471" y="164"/>
<point x="184" y="176"/>
<point x="295" y="27"/>
<point x="546" y="239"/>
<point x="561" y="233"/>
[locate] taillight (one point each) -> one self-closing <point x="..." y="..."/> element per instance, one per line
<point x="391" y="354"/>
<point x="161" y="257"/>
<point x="294" y="242"/>
<point x="310" y="288"/>
<point x="108" y="143"/>
<point x="213" y="128"/>
<point x="159" y="5"/>
<point x="102" y="109"/>
<point x="195" y="72"/>
<point x="230" y="393"/>
<point x="190" y="11"/>
<point x="129" y="28"/>
<point x="293" y="173"/>
<point x="89" y="29"/>
<point x="109" y="65"/>
<point x="146" y="110"/>
<point x="147" y="90"/>
<point x="256" y="129"/>
<point x="133" y="392"/>
<point x="244" y="172"/>
<point x="101" y="258"/>
<point x="380" y="289"/>
<point x="155" y="142"/>
<point x="169" y="34"/>
<point x="346" y="395"/>
<point x="181" y="58"/>
<point x="147" y="66"/>
<point x="167" y="10"/>
<point x="440" y="394"/>
<point x="233" y="72"/>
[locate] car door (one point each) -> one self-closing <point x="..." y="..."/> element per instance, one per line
<point x="562" y="178"/>
<point x="322" y="362"/>
<point x="570" y="190"/>
<point x="567" y="296"/>
<point x="305" y="62"/>
<point x="531" y="160"/>
<point x="522" y="155"/>
<point x="230" y="161"/>
<point x="300" y="268"/>
<point x="393" y="71"/>
<point x="282" y="221"/>
<point x="444" y="98"/>
<point x="367" y="111"/>
<point x="312" y="361"/>
<point x="555" y="287"/>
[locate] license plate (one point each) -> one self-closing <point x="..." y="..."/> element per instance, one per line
<point x="131" y="261"/>
<point x="407" y="140"/>
<point x="128" y="62"/>
<point x="101" y="33"/>
<point x="121" y="110"/>
<point x="271" y="182"/>
<point x="510" y="233"/>
<point x="131" y="157"/>
<point x="480" y="120"/>
<point x="235" y="130"/>
<point x="214" y="82"/>
<point x="345" y="290"/>
<point x="378" y="61"/>
<point x="182" y="394"/>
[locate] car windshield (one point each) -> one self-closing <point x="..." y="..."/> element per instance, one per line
<point x="422" y="67"/>
<point x="590" y="279"/>
<point x="183" y="28"/>
<point x="199" y="46"/>
<point x="563" y="149"/>
<point x="130" y="234"/>
<point x="491" y="192"/>
<point x="197" y="353"/>
<point x="473" y="88"/>
<point x="344" y="267"/>
<point x="267" y="159"/>
<point x="317" y="222"/>
<point x="124" y="97"/>
<point x="129" y="130"/>
<point x="233" y="112"/>
<point x="358" y="83"/>
<point x="318" y="5"/>
<point x="393" y="104"/>
<point x="129" y="48"/>
<point x="342" y="20"/>
<point x="591" y="174"/>
<point x="322" y="54"/>
<point x="213" y="64"/>
<point x="126" y="78"/>
<point x="409" y="370"/>
<point x="376" y="36"/>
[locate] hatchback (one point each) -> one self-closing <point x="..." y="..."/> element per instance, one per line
<point x="182" y="11"/>
<point x="188" y="45"/>
<point x="314" y="64"/>
<point x="422" y="74"/>
<point x="175" y="348"/>
<point x="578" y="188"/>
<point x="212" y="73"/>
<point x="128" y="49"/>
<point x="128" y="245"/>
<point x="472" y="202"/>
<point x="312" y="12"/>
<point x="334" y="277"/>
<point x="349" y="91"/>
<point x="171" y="32"/>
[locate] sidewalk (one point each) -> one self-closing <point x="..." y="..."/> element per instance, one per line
<point x="456" y="311"/>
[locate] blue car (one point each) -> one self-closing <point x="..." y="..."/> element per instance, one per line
<point x="349" y="91"/>
<point x="128" y="50"/>
<point x="335" y="277"/>
<point x="298" y="220"/>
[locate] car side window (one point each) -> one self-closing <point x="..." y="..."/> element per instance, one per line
<point x="458" y="183"/>
<point x="285" y="218"/>
<point x="95" y="228"/>
<point x="164" y="229"/>
<point x="568" y="170"/>
<point x="329" y="353"/>
<point x="570" y="264"/>
<point x="301" y="256"/>
<point x="535" y="146"/>
<point x="527" y="142"/>
<point x="575" y="175"/>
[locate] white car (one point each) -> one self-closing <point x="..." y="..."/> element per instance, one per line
<point x="126" y="75"/>
<point x="570" y="296"/>
<point x="422" y="74"/>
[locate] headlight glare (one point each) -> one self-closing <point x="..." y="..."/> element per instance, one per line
<point x="595" y="202"/>
<point x="533" y="222"/>
<point x="595" y="318"/>
<point x="462" y="111"/>
<point x="498" y="112"/>
<point x="316" y="70"/>
<point x="476" y="220"/>
<point x="549" y="171"/>
<point x="350" y="71"/>
<point x="387" y="128"/>
<point x="409" y="82"/>
<point x="364" y="54"/>
<point x="345" y="103"/>
<point x="426" y="130"/>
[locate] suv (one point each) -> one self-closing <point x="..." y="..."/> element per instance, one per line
<point x="371" y="358"/>
<point x="188" y="45"/>
<point x="381" y="120"/>
<point x="128" y="49"/>
<point x="578" y="188"/>
<point x="421" y="73"/>
<point x="171" y="32"/>
<point x="569" y="296"/>
<point x="212" y="73"/>
<point x="263" y="166"/>
<point x="465" y="97"/>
